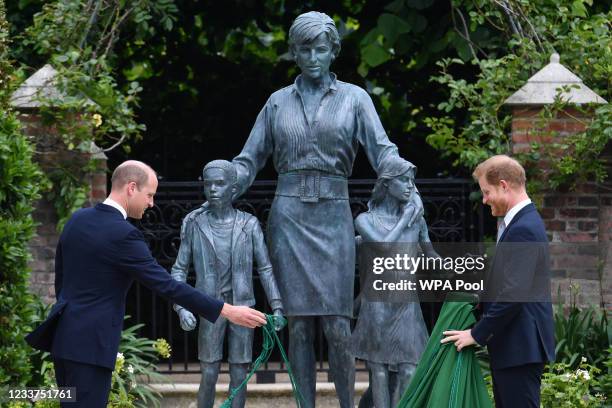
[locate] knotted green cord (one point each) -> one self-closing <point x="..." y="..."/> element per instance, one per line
<point x="270" y="338"/>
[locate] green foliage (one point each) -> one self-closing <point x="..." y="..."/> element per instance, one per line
<point x="136" y="362"/>
<point x="79" y="39"/>
<point x="535" y="30"/>
<point x="563" y="387"/>
<point x="20" y="187"/>
<point x="581" y="333"/>
<point x="605" y="382"/>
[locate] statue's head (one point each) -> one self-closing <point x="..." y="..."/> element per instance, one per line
<point x="396" y="180"/>
<point x="220" y="180"/>
<point x="314" y="43"/>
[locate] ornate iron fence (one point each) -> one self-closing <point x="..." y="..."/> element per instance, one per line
<point x="450" y="214"/>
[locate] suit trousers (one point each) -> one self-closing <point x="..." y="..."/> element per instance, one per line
<point x="92" y="383"/>
<point x="518" y="386"/>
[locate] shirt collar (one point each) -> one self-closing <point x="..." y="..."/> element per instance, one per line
<point x="113" y="203"/>
<point x="514" y="210"/>
<point x="298" y="81"/>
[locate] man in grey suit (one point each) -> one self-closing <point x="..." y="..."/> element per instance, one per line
<point x="222" y="242"/>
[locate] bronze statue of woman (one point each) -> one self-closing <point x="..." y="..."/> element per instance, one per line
<point x="312" y="130"/>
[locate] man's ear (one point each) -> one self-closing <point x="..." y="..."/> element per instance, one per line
<point x="504" y="185"/>
<point x="131" y="188"/>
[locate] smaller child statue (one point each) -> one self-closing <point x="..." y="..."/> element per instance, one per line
<point x="391" y="336"/>
<point x="222" y="242"/>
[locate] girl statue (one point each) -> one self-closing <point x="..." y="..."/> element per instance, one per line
<point x="391" y="336"/>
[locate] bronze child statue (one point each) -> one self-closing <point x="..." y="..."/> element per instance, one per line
<point x="222" y="243"/>
<point x="391" y="336"/>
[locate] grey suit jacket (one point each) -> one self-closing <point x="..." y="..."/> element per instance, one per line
<point x="197" y="246"/>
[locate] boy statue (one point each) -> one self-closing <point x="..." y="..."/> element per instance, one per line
<point x="221" y="242"/>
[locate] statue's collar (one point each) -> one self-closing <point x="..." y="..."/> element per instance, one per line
<point x="297" y="84"/>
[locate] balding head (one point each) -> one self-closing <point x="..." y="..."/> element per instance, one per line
<point x="501" y="167"/>
<point x="131" y="171"/>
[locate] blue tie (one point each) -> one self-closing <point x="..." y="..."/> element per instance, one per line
<point x="500" y="229"/>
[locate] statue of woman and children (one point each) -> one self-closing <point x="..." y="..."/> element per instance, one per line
<point x="312" y="129"/>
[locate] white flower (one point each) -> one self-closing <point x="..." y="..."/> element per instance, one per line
<point x="583" y="359"/>
<point x="120" y="356"/>
<point x="132" y="384"/>
<point x="584" y="374"/>
<point x="130" y="369"/>
<point x="567" y="376"/>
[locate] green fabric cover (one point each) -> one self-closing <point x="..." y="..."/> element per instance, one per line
<point x="444" y="377"/>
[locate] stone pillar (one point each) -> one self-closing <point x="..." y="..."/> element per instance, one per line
<point x="50" y="151"/>
<point x="582" y="215"/>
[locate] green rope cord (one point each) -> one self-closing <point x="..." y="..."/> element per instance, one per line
<point x="270" y="338"/>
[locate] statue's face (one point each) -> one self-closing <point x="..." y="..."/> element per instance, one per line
<point x="315" y="57"/>
<point x="217" y="188"/>
<point x="402" y="188"/>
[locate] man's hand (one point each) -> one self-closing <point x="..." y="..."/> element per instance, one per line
<point x="461" y="338"/>
<point x="279" y="322"/>
<point x="188" y="320"/>
<point x="243" y="316"/>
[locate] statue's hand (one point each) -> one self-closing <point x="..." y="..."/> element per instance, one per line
<point x="279" y="323"/>
<point x="408" y="211"/>
<point x="418" y="206"/>
<point x="188" y="320"/>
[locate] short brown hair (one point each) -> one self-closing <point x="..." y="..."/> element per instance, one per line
<point x="129" y="171"/>
<point x="501" y="167"/>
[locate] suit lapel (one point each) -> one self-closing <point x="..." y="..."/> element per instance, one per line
<point x="528" y="208"/>
<point x="204" y="226"/>
<point x="239" y="224"/>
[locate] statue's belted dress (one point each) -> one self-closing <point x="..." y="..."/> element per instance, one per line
<point x="310" y="229"/>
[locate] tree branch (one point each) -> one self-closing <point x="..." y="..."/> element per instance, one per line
<point x="465" y="34"/>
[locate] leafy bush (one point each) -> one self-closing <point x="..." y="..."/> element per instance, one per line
<point x="135" y="367"/>
<point x="582" y="40"/>
<point x="581" y="333"/>
<point x="563" y="387"/>
<point x="20" y="186"/>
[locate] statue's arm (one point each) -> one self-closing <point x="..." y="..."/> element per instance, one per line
<point x="424" y="240"/>
<point x="256" y="150"/>
<point x="371" y="133"/>
<point x="377" y="146"/>
<point x="180" y="269"/>
<point x="366" y="230"/>
<point x="264" y="267"/>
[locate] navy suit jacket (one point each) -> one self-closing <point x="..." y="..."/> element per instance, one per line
<point x="98" y="257"/>
<point x="516" y="332"/>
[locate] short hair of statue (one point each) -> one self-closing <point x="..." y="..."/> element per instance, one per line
<point x="501" y="167"/>
<point x="306" y="27"/>
<point x="228" y="169"/>
<point x="131" y="172"/>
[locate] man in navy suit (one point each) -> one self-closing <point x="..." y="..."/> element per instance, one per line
<point x="517" y="322"/>
<point x="98" y="257"/>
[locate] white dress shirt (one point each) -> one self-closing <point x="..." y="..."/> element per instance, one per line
<point x="514" y="210"/>
<point x="113" y="203"/>
<point x="503" y="224"/>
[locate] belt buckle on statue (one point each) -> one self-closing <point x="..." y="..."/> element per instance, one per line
<point x="310" y="187"/>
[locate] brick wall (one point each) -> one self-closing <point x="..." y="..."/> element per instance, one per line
<point x="50" y="151"/>
<point x="578" y="222"/>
